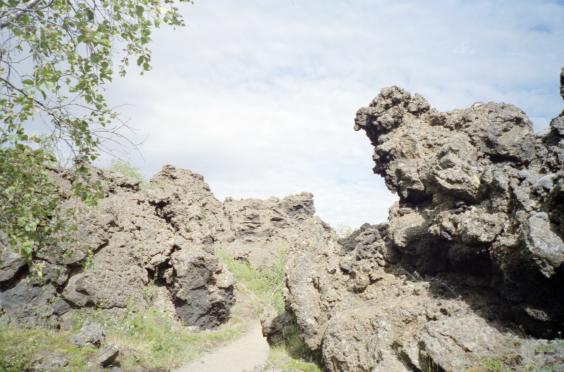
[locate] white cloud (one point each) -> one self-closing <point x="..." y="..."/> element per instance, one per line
<point x="260" y="96"/>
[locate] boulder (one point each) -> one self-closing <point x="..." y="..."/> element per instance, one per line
<point x="31" y="304"/>
<point x="91" y="334"/>
<point x="106" y="356"/>
<point x="203" y="288"/>
<point x="10" y="264"/>
<point x="52" y="362"/>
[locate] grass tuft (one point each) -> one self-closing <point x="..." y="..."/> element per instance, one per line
<point x="152" y="339"/>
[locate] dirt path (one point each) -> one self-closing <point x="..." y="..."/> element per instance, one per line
<point x="244" y="354"/>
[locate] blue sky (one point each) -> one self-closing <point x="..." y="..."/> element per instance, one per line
<point x="260" y="96"/>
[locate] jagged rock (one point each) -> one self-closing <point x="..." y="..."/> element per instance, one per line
<point x="471" y="255"/>
<point x="203" y="288"/>
<point x="186" y="202"/>
<point x="263" y="231"/>
<point x="132" y="238"/>
<point x="91" y="333"/>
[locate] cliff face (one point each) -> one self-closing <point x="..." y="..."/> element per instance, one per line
<point x="471" y="256"/>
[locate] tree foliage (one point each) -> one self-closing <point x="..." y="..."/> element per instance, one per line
<point x="56" y="58"/>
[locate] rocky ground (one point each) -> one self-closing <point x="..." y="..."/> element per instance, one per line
<point x="467" y="274"/>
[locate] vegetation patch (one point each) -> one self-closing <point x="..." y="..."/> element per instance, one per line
<point x="291" y="353"/>
<point x="18" y="347"/>
<point x="146" y="338"/>
<point x="265" y="284"/>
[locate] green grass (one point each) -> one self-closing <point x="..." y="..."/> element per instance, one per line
<point x="19" y="345"/>
<point x="126" y="169"/>
<point x="152" y="339"/>
<point x="266" y="284"/>
<point x="145" y="338"/>
<point x="291" y="354"/>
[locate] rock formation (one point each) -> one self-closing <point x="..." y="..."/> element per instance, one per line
<point x="468" y="268"/>
<point x="131" y="238"/>
<point x="167" y="236"/>
<point x="467" y="271"/>
<point x="263" y="231"/>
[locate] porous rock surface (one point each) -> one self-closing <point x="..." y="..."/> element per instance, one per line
<point x="131" y="238"/>
<point x="263" y="231"/>
<point x="468" y="270"/>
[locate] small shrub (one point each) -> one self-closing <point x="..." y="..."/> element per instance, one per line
<point x="125" y="168"/>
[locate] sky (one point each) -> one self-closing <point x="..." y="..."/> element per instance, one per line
<point x="259" y="96"/>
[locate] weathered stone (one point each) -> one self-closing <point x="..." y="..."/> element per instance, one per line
<point x="128" y="240"/>
<point x="263" y="231"/>
<point x="49" y="362"/>
<point x="10" y="264"/>
<point x="546" y="247"/>
<point x="203" y="288"/>
<point x="106" y="356"/>
<point x="30" y="303"/>
<point x="91" y="333"/>
<point x="471" y="255"/>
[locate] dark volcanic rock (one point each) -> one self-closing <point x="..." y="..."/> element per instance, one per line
<point x="475" y="186"/>
<point x="32" y="304"/>
<point x="198" y="302"/>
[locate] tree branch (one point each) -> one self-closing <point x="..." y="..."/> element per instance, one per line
<point x="19" y="13"/>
